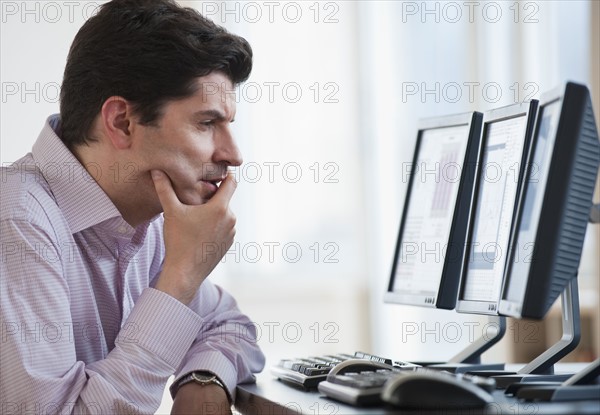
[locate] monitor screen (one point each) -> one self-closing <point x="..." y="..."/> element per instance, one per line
<point x="505" y="143"/>
<point x="554" y="206"/>
<point x="530" y="216"/>
<point x="438" y="192"/>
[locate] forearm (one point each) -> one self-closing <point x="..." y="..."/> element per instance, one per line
<point x="130" y="379"/>
<point x="227" y="344"/>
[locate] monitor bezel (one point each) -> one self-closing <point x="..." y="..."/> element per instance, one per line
<point x="529" y="110"/>
<point x="573" y="99"/>
<point x="445" y="297"/>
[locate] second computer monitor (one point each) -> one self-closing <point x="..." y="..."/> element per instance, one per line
<point x="430" y="244"/>
<point x="504" y="146"/>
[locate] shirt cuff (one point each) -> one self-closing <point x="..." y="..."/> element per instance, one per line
<point x="161" y="325"/>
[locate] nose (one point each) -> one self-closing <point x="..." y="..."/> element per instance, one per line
<point x="226" y="150"/>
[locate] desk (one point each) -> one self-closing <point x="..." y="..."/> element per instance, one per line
<point x="269" y="396"/>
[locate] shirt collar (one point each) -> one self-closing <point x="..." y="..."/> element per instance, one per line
<point x="80" y="198"/>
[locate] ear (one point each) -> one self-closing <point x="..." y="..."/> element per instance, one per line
<point x="117" y="121"/>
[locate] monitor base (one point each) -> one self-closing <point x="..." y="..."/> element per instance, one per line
<point x="504" y="381"/>
<point x="426" y="364"/>
<point x="490" y="373"/>
<point x="557" y="393"/>
<point x="467" y="367"/>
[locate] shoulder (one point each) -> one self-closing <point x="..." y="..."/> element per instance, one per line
<point x="25" y="196"/>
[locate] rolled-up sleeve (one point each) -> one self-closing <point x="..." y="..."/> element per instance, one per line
<point x="226" y="344"/>
<point x="40" y="371"/>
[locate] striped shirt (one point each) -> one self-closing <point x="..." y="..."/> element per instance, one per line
<point x="82" y="329"/>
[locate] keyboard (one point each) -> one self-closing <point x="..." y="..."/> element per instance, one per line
<point x="308" y="372"/>
<point x="359" y="385"/>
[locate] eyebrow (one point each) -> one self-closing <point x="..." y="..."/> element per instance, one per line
<point x="215" y="114"/>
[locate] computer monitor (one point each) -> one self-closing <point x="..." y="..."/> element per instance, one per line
<point x="554" y="206"/>
<point x="430" y="245"/>
<point x="506" y="137"/>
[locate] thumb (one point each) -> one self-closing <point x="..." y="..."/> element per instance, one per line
<point x="164" y="189"/>
<point x="225" y="191"/>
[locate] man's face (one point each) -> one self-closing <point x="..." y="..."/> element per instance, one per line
<point x="192" y="143"/>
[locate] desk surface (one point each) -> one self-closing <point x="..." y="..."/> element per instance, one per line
<point x="270" y="396"/>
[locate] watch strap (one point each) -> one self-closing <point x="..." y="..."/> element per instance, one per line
<point x="201" y="378"/>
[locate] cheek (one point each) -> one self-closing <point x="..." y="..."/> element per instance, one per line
<point x="181" y="154"/>
<point x="159" y="156"/>
<point x="184" y="172"/>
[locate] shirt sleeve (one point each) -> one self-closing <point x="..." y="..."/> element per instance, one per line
<point x="38" y="358"/>
<point x="226" y="344"/>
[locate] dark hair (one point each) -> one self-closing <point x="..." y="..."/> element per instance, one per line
<point x="147" y="51"/>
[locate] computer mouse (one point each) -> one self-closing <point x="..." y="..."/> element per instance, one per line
<point x="430" y="390"/>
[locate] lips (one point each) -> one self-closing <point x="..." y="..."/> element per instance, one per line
<point x="216" y="182"/>
<point x="212" y="183"/>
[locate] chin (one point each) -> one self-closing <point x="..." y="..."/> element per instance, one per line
<point x="193" y="199"/>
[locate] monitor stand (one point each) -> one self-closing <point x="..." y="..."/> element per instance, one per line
<point x="470" y="358"/>
<point x="541" y="369"/>
<point x="580" y="387"/>
<point x="595" y="214"/>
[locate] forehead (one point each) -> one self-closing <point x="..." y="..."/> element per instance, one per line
<point x="215" y="89"/>
<point x="213" y="92"/>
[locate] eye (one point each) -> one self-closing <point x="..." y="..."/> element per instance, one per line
<point x="206" y="124"/>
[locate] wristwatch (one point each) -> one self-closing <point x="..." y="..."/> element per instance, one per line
<point x="201" y="378"/>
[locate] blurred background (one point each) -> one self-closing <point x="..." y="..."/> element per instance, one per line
<point x="327" y="126"/>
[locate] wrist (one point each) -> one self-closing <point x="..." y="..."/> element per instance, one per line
<point x="193" y="398"/>
<point x="176" y="284"/>
<point x="201" y="379"/>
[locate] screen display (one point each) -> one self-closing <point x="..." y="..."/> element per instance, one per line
<point x="534" y="197"/>
<point x="435" y="183"/>
<point x="495" y="207"/>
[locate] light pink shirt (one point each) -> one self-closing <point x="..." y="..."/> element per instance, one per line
<point x="82" y="329"/>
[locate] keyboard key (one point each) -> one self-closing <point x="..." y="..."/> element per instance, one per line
<point x="367" y="356"/>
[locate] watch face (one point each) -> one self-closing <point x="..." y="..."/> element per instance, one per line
<point x="203" y="378"/>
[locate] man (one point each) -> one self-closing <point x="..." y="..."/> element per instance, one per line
<point x="103" y="298"/>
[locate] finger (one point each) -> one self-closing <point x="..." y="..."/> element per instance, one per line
<point x="166" y="195"/>
<point x="225" y="191"/>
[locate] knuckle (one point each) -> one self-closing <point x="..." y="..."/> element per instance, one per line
<point x="221" y="210"/>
